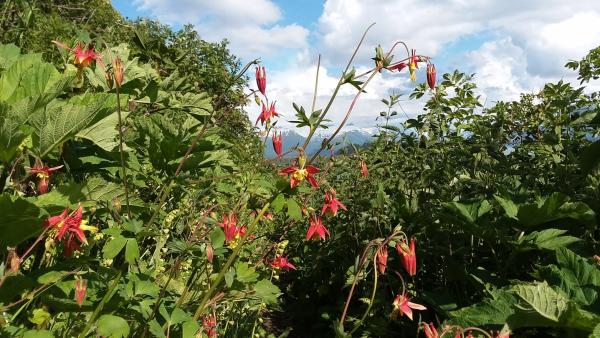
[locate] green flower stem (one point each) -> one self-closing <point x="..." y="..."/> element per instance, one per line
<point x="122" y="153"/>
<point x="364" y="316"/>
<point x="230" y="261"/>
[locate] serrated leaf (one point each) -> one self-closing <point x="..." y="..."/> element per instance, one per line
<point x="267" y="291"/>
<point x="245" y="273"/>
<point x="132" y="251"/>
<point x="21" y="220"/>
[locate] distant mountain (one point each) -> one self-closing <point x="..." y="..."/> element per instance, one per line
<point x="292" y="138"/>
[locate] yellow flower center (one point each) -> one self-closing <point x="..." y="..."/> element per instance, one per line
<point x="300" y="174"/>
<point x="85" y="227"/>
<point x="43" y="175"/>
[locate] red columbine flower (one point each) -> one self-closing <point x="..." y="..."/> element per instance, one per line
<point x="403" y="306"/>
<point x="43" y="173"/>
<point x="382" y="256"/>
<point x="266" y="114"/>
<point x="57" y="224"/>
<point x="80" y="290"/>
<point x="503" y="334"/>
<point x="83" y="57"/>
<point x="77" y="225"/>
<point x="409" y="256"/>
<point x="413" y="64"/>
<point x="277" y="143"/>
<point x="232" y="231"/>
<point x="282" y="262"/>
<point x="209" y="322"/>
<point x="430" y="330"/>
<point x="431" y="75"/>
<point x="261" y="79"/>
<point x="331" y="204"/>
<point x="316" y="229"/>
<point x="298" y="174"/>
<point x="363" y="168"/>
<point x="399" y="66"/>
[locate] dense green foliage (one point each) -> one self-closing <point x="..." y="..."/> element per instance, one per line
<point x="503" y="201"/>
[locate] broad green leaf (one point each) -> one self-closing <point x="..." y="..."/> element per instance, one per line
<point x="278" y="203"/>
<point x="21" y="220"/>
<point x="580" y="279"/>
<point x="38" y="334"/>
<point x="508" y="205"/>
<point x="550" y="239"/>
<point x="113" y="247"/>
<point x="112" y="326"/>
<point x="217" y="238"/>
<point x="267" y="291"/>
<point x="293" y="209"/>
<point x="8" y="54"/>
<point x="190" y="328"/>
<point x="13" y="132"/>
<point x="132" y="251"/>
<point x="39" y="317"/>
<point x="62" y="120"/>
<point x="105" y="132"/>
<point x="244" y="273"/>
<point x="51" y="277"/>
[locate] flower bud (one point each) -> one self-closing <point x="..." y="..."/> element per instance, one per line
<point x="118" y="71"/>
<point x="431" y="75"/>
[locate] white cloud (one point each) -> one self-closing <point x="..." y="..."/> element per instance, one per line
<point x="251" y="26"/>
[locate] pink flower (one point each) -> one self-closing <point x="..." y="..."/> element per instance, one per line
<point x="331" y="204"/>
<point x="403" y="306"/>
<point x="316" y="229"/>
<point x="282" y="262"/>
<point x="278" y="143"/>
<point x="261" y="79"/>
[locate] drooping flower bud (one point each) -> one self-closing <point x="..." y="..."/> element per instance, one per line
<point x="278" y="143"/>
<point x="382" y="257"/>
<point x="118" y="71"/>
<point x="80" y="290"/>
<point x="210" y="252"/>
<point x="363" y="168"/>
<point x="431" y="75"/>
<point x="261" y="79"/>
<point x="14" y="260"/>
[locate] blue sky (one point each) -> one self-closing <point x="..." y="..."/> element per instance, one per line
<point x="512" y="46"/>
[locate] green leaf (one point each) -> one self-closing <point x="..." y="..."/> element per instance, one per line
<point x="40" y="316"/>
<point x="105" y="132"/>
<point x="217" y="238"/>
<point x="62" y="120"/>
<point x="190" y="328"/>
<point x="38" y="334"/>
<point x="132" y="251"/>
<point x="244" y="273"/>
<point x="229" y="276"/>
<point x="51" y="277"/>
<point x="112" y="326"/>
<point x="21" y="220"/>
<point x="113" y="247"/>
<point x="508" y="205"/>
<point x="294" y="211"/>
<point x="580" y="279"/>
<point x="278" y="203"/>
<point x="550" y="239"/>
<point x="13" y="131"/>
<point x="267" y="291"/>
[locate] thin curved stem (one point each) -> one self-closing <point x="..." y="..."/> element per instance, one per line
<point x="364" y="316"/>
<point x="314" y="101"/>
<point x="337" y="88"/>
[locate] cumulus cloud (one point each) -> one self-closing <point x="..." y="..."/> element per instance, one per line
<point x="512" y="46"/>
<point x="251" y="26"/>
